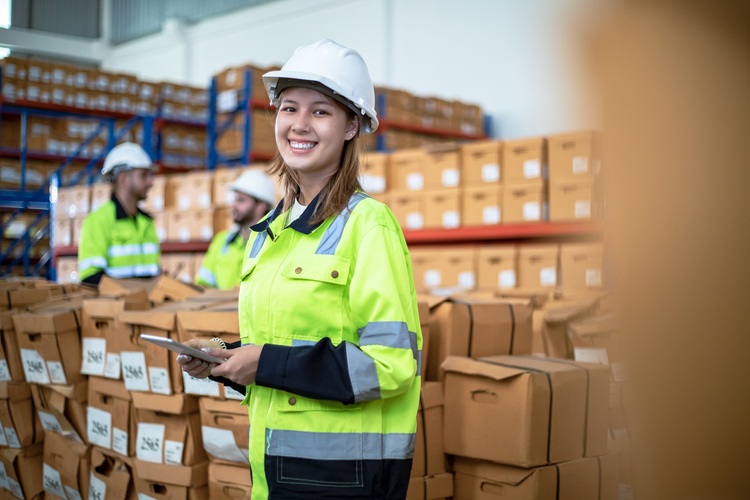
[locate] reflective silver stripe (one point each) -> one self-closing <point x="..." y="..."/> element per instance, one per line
<point x="298" y="342"/>
<point x="207" y="276"/>
<point x="363" y="374"/>
<point x="130" y="271"/>
<point x="388" y="333"/>
<point x="150" y="248"/>
<point x="257" y="244"/>
<point x="99" y="262"/>
<point x="338" y="446"/>
<point x="124" y="250"/>
<point x="332" y="236"/>
<point x="133" y="249"/>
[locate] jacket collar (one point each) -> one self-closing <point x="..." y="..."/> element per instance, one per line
<point x="120" y="211"/>
<point x="301" y="225"/>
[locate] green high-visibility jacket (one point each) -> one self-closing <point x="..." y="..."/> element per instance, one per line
<point x="118" y="245"/>
<point x="222" y="263"/>
<point x="333" y="410"/>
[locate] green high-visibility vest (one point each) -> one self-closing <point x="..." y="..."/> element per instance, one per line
<point x="117" y="244"/>
<point x="223" y="261"/>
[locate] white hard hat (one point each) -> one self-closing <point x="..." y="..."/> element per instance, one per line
<point x="126" y="156"/>
<point x="256" y="184"/>
<point x="332" y="69"/>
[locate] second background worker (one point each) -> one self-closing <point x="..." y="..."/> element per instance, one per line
<point x="254" y="197"/>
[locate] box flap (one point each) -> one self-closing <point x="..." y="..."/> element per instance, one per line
<point x="176" y="404"/>
<point x="180" y="475"/>
<point x="431" y="395"/>
<point x="485" y="368"/>
<point x="498" y="473"/>
<point x="602" y="324"/>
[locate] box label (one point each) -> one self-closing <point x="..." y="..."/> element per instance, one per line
<point x="491" y="215"/>
<point x="173" y="452"/>
<point x="372" y="183"/>
<point x="99" y="427"/>
<point x="432" y="278"/>
<point x="596" y="355"/>
<point x="491" y="172"/>
<point x="52" y="482"/>
<point x="72" y="494"/>
<point x="120" y="441"/>
<point x="466" y="279"/>
<point x="97" y="488"/>
<point x="506" y="279"/>
<point x="532" y="169"/>
<point x="34" y="367"/>
<point x="94" y="355"/>
<point x="134" y="370"/>
<point x="451" y="219"/>
<point x="532" y="211"/>
<point x="4" y="372"/>
<point x="451" y="177"/>
<point x="230" y="393"/>
<point x="582" y="209"/>
<point x="112" y="369"/>
<point x="580" y="165"/>
<point x="12" y="437"/>
<point x="200" y="386"/>
<point x="159" y="380"/>
<point x="150" y="442"/>
<point x="3" y="477"/>
<point x="548" y="276"/>
<point x="593" y="277"/>
<point x="415" y="182"/>
<point x="3" y="441"/>
<point x="220" y="443"/>
<point x="414" y="220"/>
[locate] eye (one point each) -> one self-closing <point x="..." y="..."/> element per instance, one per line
<point x="320" y="112"/>
<point x="287" y="109"/>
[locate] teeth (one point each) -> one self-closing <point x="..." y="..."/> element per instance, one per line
<point x="302" y="145"/>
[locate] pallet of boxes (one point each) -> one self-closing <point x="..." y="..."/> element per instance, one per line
<point x="89" y="411"/>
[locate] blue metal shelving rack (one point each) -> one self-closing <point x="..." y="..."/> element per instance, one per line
<point x="42" y="199"/>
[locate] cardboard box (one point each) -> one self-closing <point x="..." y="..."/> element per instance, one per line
<point x="50" y="345"/>
<point x="374" y="167"/>
<point x="191" y="225"/>
<point x="224" y="427"/>
<point x="193" y="191"/>
<point x="61" y="414"/>
<point x="574" y="155"/>
<point x="147" y="366"/>
<point x="111" y="476"/>
<point x="161" y="223"/>
<point x="571" y="200"/>
<point x="220" y="321"/>
<point x="170" y="434"/>
<point x="538" y="266"/>
<point x="482" y="205"/>
<point x="222" y="195"/>
<point x="407" y="169"/>
<point x="21" y="470"/>
<point x="101" y="193"/>
<point x="444" y="168"/>
<point x="155" y="201"/>
<point x="481" y="162"/>
<point x="525" y="201"/>
<point x="445" y="270"/>
<point x="543" y="411"/>
<point x="227" y="482"/>
<point x="482" y="480"/>
<point x="497" y="267"/>
<point x="429" y="452"/>
<point x="442" y="209"/>
<point x="581" y="266"/>
<point x="171" y="482"/>
<point x="19" y="427"/>
<point x="468" y="326"/>
<point x="11" y="366"/>
<point x="179" y="266"/>
<point x="408" y="208"/>
<point x="66" y="468"/>
<point x="597" y="339"/>
<point x="224" y="220"/>
<point x="101" y="333"/>
<point x="557" y="316"/>
<point x="110" y="416"/>
<point x="525" y="159"/>
<point x="73" y="201"/>
<point x="437" y="487"/>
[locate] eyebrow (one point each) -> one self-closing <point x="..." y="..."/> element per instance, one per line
<point x="292" y="101"/>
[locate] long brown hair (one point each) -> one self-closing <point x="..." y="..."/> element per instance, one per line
<point x="335" y="195"/>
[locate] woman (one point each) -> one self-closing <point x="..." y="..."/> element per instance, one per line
<point x="331" y="343"/>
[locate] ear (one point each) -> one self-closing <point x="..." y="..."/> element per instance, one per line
<point x="352" y="128"/>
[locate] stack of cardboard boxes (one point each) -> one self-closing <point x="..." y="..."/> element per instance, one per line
<point x="523" y="394"/>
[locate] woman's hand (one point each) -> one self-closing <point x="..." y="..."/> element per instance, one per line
<point x="240" y="366"/>
<point x="195" y="367"/>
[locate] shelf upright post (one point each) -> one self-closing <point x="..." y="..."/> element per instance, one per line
<point x="147" y="122"/>
<point x="211" y="135"/>
<point x="247" y="111"/>
<point x="22" y="160"/>
<point x="379" y="137"/>
<point x="54" y="183"/>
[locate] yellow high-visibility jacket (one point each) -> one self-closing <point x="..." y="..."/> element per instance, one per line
<point x="333" y="410"/>
<point x="223" y="261"/>
<point x="118" y="245"/>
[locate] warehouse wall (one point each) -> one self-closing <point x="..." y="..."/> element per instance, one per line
<point x="521" y="61"/>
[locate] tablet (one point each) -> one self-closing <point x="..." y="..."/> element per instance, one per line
<point x="175" y="346"/>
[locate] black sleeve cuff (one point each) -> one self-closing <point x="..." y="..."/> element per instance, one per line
<point x="239" y="388"/>
<point x="272" y="365"/>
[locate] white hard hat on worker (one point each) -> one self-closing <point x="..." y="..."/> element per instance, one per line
<point x="331" y="69"/>
<point x="126" y="156"/>
<point x="256" y="184"/>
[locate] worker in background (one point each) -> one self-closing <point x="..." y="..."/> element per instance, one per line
<point x="119" y="239"/>
<point x="254" y="197"/>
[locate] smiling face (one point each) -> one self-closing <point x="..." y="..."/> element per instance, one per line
<point x="311" y="129"/>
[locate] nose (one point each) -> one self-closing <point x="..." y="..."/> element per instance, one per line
<point x="300" y="124"/>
